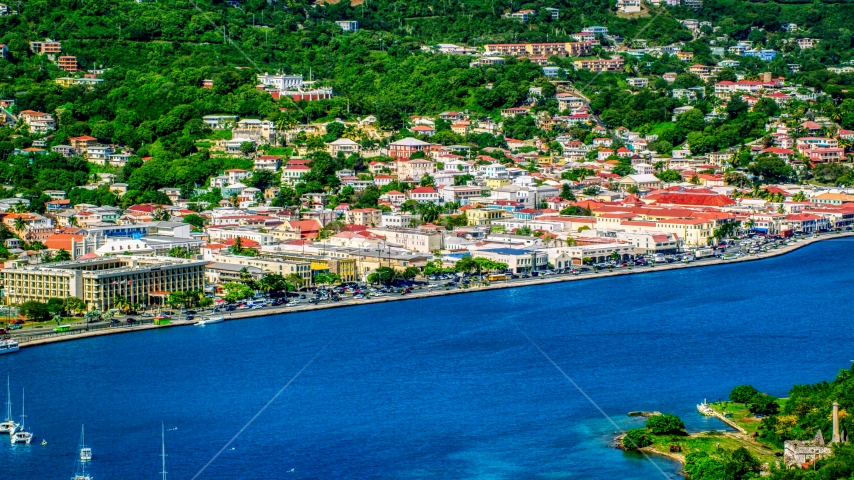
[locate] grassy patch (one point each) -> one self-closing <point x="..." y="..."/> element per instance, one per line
<point x="714" y="443"/>
<point x="278" y="151"/>
<point x="662" y="127"/>
<point x="740" y="415"/>
<point x="221" y="135"/>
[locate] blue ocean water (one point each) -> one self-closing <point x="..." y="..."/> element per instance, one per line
<point x="438" y="388"/>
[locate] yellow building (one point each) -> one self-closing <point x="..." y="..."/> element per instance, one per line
<point x="483" y="216"/>
<point x="343" y="266"/>
<point x="692" y="232"/>
<point x="269" y="265"/>
<point x="832" y="198"/>
<point x="99" y="281"/>
<point x="494" y="183"/>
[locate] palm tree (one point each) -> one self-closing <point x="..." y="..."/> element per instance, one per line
<point x="429" y="212"/>
<point x="452" y="207"/>
<point x="245" y="276"/>
<point x="295" y="280"/>
<point x="121" y="303"/>
<point x="749" y="224"/>
<point x="20" y="224"/>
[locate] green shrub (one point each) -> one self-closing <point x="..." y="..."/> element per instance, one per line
<point x="637" y="438"/>
<point x="665" y="424"/>
<point x="763" y="404"/>
<point x="743" y="393"/>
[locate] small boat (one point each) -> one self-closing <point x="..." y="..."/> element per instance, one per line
<point x="22" y="436"/>
<point x="705" y="409"/>
<point x="211" y="319"/>
<point x="85" y="452"/>
<point x="44" y="443"/>
<point x="80" y="467"/>
<point x="8" y="346"/>
<point x="163" y="450"/>
<point x="8" y="426"/>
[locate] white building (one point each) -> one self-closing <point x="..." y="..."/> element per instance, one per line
<point x="282" y="82"/>
<point x="348" y="25"/>
<point x="343" y="145"/>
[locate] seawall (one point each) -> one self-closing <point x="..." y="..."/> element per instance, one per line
<point x="239" y="315"/>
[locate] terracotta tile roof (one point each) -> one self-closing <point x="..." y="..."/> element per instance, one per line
<point x="61" y="241"/>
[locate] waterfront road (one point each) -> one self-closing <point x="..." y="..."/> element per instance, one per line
<point x="30" y="336"/>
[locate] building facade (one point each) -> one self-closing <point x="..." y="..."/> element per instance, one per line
<point x="99" y="281"/>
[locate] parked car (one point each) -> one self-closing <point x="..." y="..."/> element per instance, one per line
<point x="14" y="326"/>
<point x="130" y="320"/>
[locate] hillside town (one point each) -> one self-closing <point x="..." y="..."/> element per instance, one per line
<point x="279" y="197"/>
<point x="343" y="200"/>
<point x="529" y="206"/>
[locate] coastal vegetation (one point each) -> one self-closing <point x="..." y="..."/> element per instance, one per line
<point x="769" y="422"/>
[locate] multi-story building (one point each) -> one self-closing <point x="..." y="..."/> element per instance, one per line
<point x="282" y="82"/>
<point x="38" y="122"/>
<point x="259" y="131"/>
<point x="483" y="216"/>
<point x="48" y="47"/>
<point x="81" y="144"/>
<point x="67" y="63"/>
<point x="406" y="147"/>
<point x="629" y="6"/>
<point x="99" y="154"/>
<point x="144" y="280"/>
<point x="278" y="266"/>
<point x="518" y="260"/>
<point x="370" y="217"/>
<point x="596" y="30"/>
<point x="601" y="65"/>
<point x="325" y="259"/>
<point x="343" y="145"/>
<point x="219" y="122"/>
<point x="267" y="162"/>
<point x="727" y="88"/>
<point x="561" y="49"/>
<point x="460" y="193"/>
<point x="293" y="174"/>
<point x="422" y="241"/>
<point x="824" y="155"/>
<point x="398" y="220"/>
<point x="414" y="169"/>
<point x="638" y="82"/>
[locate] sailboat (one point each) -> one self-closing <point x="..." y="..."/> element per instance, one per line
<point x="85" y="452"/>
<point x="22" y="435"/>
<point x="85" y="455"/>
<point x="163" y="450"/>
<point x="8" y="426"/>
